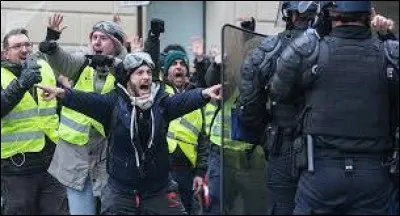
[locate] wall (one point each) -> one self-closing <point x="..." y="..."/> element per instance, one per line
<point x="218" y="13"/>
<point x="79" y="16"/>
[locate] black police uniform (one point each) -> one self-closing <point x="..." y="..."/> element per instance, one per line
<point x="344" y="79"/>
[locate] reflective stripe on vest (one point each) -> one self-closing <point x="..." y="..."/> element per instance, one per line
<point x="24" y="127"/>
<point x="216" y="129"/>
<point x="75" y="126"/>
<point x="184" y="132"/>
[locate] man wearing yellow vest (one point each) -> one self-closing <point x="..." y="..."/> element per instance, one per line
<point x="186" y="134"/>
<point x="79" y="159"/>
<point x="28" y="132"/>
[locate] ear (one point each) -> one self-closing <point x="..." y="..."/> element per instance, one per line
<point x="3" y="54"/>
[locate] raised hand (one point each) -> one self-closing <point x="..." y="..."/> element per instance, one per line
<point x="136" y="43"/>
<point x="380" y="23"/>
<point x="214" y="53"/>
<point x="197" y="47"/>
<point x="117" y="19"/>
<point x="248" y="23"/>
<point x="56" y="23"/>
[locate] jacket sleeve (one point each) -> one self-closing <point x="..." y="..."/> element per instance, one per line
<point x="183" y="103"/>
<point x="253" y="97"/>
<point x="202" y="153"/>
<point x="201" y="67"/>
<point x="65" y="63"/>
<point x="94" y="105"/>
<point x="295" y="58"/>
<point x="152" y="46"/>
<point x="10" y="97"/>
<point x="213" y="74"/>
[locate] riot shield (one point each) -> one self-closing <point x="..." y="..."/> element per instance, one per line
<point x="243" y="169"/>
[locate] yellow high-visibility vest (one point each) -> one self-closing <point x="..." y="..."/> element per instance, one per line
<point x="75" y="126"/>
<point x="216" y="129"/>
<point x="24" y="128"/>
<point x="184" y="132"/>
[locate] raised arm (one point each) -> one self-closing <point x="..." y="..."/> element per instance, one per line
<point x="94" y="105"/>
<point x="61" y="61"/>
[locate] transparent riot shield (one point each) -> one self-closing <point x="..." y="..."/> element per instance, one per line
<point x="243" y="169"/>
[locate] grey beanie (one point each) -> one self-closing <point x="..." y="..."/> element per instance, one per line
<point x="110" y="28"/>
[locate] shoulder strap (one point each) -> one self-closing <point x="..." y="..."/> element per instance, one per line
<point x="78" y="74"/>
<point x="203" y="120"/>
<point x="214" y="116"/>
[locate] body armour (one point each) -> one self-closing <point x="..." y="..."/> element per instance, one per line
<point x="349" y="98"/>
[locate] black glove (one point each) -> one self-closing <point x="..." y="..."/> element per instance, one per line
<point x="48" y="46"/>
<point x="52" y="34"/>
<point x="249" y="25"/>
<point x="30" y="74"/>
<point x="100" y="60"/>
<point x="156" y="27"/>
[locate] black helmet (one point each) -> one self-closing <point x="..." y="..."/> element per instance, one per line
<point x="351" y="6"/>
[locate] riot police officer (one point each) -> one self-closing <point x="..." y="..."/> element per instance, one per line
<point x="346" y="74"/>
<point x="258" y="67"/>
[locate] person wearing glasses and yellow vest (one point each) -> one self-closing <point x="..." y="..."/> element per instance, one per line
<point x="79" y="159"/>
<point x="28" y="132"/>
<point x="185" y="137"/>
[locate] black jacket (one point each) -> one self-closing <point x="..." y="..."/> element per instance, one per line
<point x="152" y="172"/>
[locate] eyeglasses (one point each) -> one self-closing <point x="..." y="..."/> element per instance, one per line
<point x="18" y="46"/>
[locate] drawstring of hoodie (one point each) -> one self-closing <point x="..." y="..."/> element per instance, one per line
<point x="133" y="126"/>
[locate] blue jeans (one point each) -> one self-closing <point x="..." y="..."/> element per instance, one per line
<point x="82" y="202"/>
<point x="185" y="182"/>
<point x="214" y="183"/>
<point x="345" y="185"/>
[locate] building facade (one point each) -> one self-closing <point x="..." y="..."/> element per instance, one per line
<point x="184" y="19"/>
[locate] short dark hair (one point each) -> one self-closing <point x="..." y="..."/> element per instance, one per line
<point x="11" y="33"/>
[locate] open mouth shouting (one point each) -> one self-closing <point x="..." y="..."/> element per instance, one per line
<point x="179" y="75"/>
<point x="98" y="52"/>
<point x="144" y="89"/>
